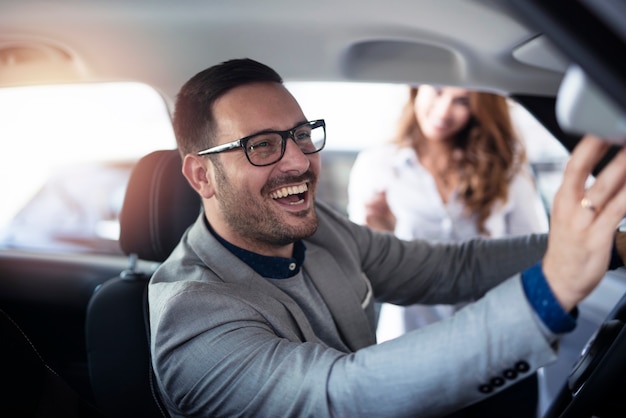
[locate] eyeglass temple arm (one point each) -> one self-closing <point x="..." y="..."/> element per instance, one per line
<point x="220" y="148"/>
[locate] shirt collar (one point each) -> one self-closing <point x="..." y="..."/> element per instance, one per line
<point x="266" y="266"/>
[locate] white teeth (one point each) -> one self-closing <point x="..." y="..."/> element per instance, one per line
<point x="286" y="191"/>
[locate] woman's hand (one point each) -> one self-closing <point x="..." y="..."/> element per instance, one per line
<point x="378" y="215"/>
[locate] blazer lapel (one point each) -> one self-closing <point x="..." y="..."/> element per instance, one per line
<point x="342" y="299"/>
<point x="336" y="289"/>
<point x="231" y="269"/>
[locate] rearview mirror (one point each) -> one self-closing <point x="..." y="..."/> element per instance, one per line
<point x="581" y="107"/>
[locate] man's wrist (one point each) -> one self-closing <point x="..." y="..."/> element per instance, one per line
<point x="545" y="304"/>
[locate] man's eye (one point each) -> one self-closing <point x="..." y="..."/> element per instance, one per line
<point x="264" y="144"/>
<point x="257" y="145"/>
<point x="303" y="136"/>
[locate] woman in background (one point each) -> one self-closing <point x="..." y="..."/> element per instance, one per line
<point x="454" y="170"/>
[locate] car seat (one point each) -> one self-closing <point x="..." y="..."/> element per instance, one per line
<point x="29" y="386"/>
<point x="158" y="207"/>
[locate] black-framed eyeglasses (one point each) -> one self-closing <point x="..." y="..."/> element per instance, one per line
<point x="268" y="147"/>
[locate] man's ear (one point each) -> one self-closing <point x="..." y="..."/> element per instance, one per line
<point x="198" y="171"/>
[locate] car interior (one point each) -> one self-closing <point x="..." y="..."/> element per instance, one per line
<point x="75" y="339"/>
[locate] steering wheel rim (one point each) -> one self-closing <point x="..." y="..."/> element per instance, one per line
<point x="598" y="373"/>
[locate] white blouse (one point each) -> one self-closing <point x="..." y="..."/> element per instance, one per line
<point x="420" y="212"/>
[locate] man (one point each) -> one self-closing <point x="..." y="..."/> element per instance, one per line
<point x="265" y="308"/>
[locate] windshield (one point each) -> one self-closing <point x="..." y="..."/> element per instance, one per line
<point x="67" y="152"/>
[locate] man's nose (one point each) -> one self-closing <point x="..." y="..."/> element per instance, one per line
<point x="294" y="159"/>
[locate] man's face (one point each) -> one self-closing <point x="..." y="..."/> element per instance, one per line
<point x="262" y="208"/>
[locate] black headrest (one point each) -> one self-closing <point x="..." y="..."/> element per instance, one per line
<point x="158" y="206"/>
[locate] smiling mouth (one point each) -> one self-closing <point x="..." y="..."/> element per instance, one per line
<point x="292" y="195"/>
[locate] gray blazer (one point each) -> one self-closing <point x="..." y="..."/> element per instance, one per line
<point x="226" y="342"/>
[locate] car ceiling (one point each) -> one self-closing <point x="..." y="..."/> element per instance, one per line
<point x="473" y="43"/>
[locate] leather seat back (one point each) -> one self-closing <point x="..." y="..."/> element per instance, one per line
<point x="158" y="207"/>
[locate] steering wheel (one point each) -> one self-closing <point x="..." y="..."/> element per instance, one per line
<point x="596" y="386"/>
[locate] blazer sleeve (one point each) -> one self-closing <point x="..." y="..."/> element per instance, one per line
<point x="217" y="355"/>
<point x="420" y="271"/>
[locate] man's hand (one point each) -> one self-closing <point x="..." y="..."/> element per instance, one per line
<point x="583" y="222"/>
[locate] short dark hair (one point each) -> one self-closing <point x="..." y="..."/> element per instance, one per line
<point x="193" y="114"/>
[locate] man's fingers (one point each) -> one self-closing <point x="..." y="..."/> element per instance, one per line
<point x="584" y="221"/>
<point x="609" y="182"/>
<point x="613" y="182"/>
<point x="584" y="158"/>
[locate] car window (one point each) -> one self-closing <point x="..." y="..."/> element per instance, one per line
<point x="360" y="115"/>
<point x="66" y="155"/>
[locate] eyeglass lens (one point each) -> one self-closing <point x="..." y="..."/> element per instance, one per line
<point x="267" y="148"/>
